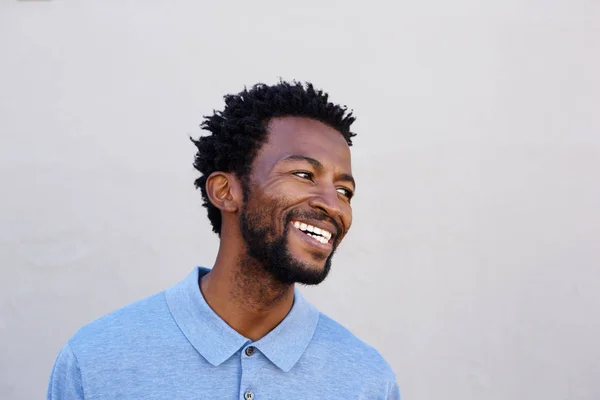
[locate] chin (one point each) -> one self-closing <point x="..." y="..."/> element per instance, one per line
<point x="309" y="262"/>
<point x="306" y="273"/>
<point x="312" y="269"/>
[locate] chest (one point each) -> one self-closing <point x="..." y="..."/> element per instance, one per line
<point x="238" y="378"/>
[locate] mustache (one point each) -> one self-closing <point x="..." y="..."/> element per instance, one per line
<point x="317" y="216"/>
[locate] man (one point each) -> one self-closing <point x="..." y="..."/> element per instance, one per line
<point x="277" y="182"/>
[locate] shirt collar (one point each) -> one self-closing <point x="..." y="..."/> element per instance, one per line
<point x="216" y="341"/>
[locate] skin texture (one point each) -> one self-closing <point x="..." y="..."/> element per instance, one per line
<point x="303" y="173"/>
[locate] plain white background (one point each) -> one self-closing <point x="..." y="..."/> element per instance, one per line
<point x="473" y="261"/>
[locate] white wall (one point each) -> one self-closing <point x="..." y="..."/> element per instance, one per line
<point x="473" y="262"/>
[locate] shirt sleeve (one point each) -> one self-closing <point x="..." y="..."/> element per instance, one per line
<point x="65" y="379"/>
<point x="394" y="393"/>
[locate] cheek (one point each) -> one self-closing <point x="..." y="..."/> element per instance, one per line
<point x="260" y="209"/>
<point x="348" y="224"/>
<point x="285" y="194"/>
<point x="292" y="190"/>
<point x="347" y="217"/>
<point x="271" y="205"/>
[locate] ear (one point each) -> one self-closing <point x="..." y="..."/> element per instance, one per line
<point x="224" y="191"/>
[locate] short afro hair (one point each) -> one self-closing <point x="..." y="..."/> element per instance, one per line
<point x="238" y="132"/>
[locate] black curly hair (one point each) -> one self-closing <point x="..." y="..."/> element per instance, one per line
<point x="239" y="131"/>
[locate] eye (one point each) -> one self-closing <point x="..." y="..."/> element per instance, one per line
<point x="345" y="192"/>
<point x="303" y="175"/>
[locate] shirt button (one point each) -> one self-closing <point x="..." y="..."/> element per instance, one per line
<point x="250" y="350"/>
<point x="248" y="395"/>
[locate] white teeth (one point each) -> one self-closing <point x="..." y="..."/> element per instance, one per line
<point x="321" y="235"/>
<point x="318" y="238"/>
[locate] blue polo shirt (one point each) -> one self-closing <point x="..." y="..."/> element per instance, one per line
<point x="174" y="346"/>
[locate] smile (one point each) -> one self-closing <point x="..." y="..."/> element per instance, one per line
<point x="320" y="235"/>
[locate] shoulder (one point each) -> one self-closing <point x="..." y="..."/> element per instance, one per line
<point x="122" y="326"/>
<point x="341" y="344"/>
<point x="116" y="339"/>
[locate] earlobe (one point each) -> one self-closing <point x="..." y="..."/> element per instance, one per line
<point x="221" y="188"/>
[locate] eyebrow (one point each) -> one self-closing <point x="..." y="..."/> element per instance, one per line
<point x="318" y="166"/>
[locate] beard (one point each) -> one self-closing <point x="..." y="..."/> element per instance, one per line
<point x="258" y="229"/>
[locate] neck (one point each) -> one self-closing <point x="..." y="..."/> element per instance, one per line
<point x="244" y="295"/>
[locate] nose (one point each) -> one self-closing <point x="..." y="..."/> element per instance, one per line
<point x="327" y="201"/>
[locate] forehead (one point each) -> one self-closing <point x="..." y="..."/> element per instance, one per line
<point x="306" y="137"/>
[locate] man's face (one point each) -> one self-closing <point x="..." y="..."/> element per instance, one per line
<point x="297" y="208"/>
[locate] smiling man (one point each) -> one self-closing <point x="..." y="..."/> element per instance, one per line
<point x="276" y="179"/>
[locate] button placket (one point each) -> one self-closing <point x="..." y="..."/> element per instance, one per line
<point x="250" y="365"/>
